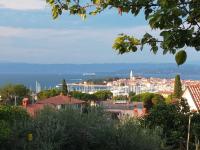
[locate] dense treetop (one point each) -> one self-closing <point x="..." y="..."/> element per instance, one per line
<point x="178" y="22"/>
<point x="64" y="87"/>
<point x="177" y="87"/>
<point x="44" y="94"/>
<point x="9" y="91"/>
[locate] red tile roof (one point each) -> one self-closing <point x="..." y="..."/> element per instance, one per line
<point x="195" y="93"/>
<point x="61" y="99"/>
<point x="32" y="109"/>
<point x="52" y="102"/>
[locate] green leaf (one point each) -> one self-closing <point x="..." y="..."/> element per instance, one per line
<point x="181" y="57"/>
<point x="97" y="2"/>
<point x="55" y="11"/>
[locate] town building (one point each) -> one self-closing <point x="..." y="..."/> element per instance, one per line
<point x="57" y="102"/>
<point x="124" y="109"/>
<point x="140" y="85"/>
<point x="134" y="83"/>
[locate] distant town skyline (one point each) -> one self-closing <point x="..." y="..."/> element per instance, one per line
<point x="29" y="34"/>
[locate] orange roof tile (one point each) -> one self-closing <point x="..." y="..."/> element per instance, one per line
<point x="52" y="101"/>
<point x="60" y="99"/>
<point x="195" y="93"/>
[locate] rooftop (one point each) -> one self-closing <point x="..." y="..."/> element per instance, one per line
<point x="60" y="99"/>
<point x="195" y="93"/>
<point x="52" y="102"/>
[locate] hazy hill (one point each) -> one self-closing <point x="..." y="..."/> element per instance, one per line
<point x="97" y="68"/>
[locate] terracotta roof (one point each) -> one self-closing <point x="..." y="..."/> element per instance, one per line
<point x="52" y="102"/>
<point x="195" y="93"/>
<point x="32" y="109"/>
<point x="60" y="99"/>
<point x="122" y="106"/>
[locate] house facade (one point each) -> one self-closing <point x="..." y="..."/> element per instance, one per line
<point x="130" y="109"/>
<point x="192" y="95"/>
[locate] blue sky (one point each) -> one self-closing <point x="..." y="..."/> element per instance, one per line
<point x="29" y="34"/>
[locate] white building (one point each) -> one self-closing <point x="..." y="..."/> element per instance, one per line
<point x="192" y="94"/>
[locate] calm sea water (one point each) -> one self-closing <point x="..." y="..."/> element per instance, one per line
<point x="49" y="80"/>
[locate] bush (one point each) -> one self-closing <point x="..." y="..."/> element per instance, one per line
<point x="12" y="113"/>
<point x="72" y="130"/>
<point x="83" y="96"/>
<point x="12" y="122"/>
<point x="103" y="95"/>
<point x="173" y="120"/>
<point x="8" y="92"/>
<point x="120" y="97"/>
<point x="48" y="93"/>
<point x="149" y="99"/>
<point x="68" y="129"/>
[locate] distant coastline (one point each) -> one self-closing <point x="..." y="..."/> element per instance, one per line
<point x="51" y="75"/>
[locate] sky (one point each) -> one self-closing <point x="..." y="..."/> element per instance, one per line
<point x="28" y="34"/>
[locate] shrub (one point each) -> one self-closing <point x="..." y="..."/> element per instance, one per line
<point x="12" y="125"/>
<point x="72" y="130"/>
<point x="149" y="99"/>
<point x="69" y="129"/>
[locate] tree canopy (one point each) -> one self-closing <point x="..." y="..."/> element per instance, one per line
<point x="69" y="129"/>
<point x="177" y="87"/>
<point x="64" y="87"/>
<point x="83" y="96"/>
<point x="120" y="97"/>
<point x="9" y="91"/>
<point x="103" y="95"/>
<point x="173" y="120"/>
<point x="97" y="96"/>
<point x="48" y="93"/>
<point x="149" y="99"/>
<point x="177" y="21"/>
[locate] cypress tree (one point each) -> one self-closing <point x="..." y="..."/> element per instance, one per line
<point x="64" y="87"/>
<point x="177" y="87"/>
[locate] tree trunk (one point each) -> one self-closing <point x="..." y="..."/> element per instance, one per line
<point x="197" y="144"/>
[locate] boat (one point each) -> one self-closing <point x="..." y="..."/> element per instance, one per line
<point x="89" y="74"/>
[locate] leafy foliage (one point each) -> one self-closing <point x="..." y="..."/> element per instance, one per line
<point x="149" y="99"/>
<point x="196" y="125"/>
<point x="69" y="129"/>
<point x="11" y="118"/>
<point x="173" y="123"/>
<point x="120" y="97"/>
<point x="48" y="93"/>
<point x="131" y="94"/>
<point x="125" y="43"/>
<point x="9" y="91"/>
<point x="178" y="22"/>
<point x="173" y="120"/>
<point x="97" y="96"/>
<point x="83" y="96"/>
<point x="64" y="87"/>
<point x="103" y="95"/>
<point x="10" y="113"/>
